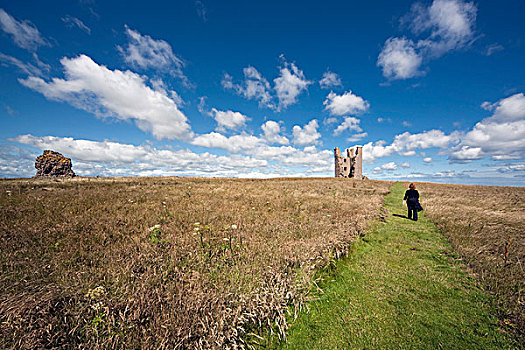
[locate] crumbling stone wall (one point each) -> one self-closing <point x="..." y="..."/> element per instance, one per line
<point x="350" y="166"/>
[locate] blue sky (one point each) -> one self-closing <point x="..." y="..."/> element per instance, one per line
<point x="433" y="90"/>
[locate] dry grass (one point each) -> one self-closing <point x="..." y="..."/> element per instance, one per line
<point x="83" y="264"/>
<point x="486" y="224"/>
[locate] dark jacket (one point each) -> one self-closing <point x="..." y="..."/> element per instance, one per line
<point x="412" y="197"/>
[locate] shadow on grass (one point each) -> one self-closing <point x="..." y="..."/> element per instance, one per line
<point x="400" y="216"/>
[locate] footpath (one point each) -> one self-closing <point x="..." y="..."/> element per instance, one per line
<point x="401" y="287"/>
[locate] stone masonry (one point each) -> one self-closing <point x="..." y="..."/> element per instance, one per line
<point x="350" y="166"/>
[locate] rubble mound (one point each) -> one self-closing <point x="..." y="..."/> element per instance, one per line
<point x="53" y="164"/>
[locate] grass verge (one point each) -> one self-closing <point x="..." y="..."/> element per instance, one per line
<point x="401" y="287"/>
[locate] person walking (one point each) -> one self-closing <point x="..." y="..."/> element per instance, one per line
<point x="412" y="201"/>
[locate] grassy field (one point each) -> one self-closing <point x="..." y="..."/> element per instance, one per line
<point x="402" y="287"/>
<point x="486" y="226"/>
<point x="167" y="262"/>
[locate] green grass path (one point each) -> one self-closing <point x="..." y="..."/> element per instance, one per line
<point x="400" y="288"/>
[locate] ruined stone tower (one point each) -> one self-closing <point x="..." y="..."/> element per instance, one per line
<point x="351" y="165"/>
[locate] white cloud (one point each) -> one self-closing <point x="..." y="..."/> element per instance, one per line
<point x="144" y="52"/>
<point x="450" y="26"/>
<point x="427" y="159"/>
<point x="27" y="68"/>
<point x="399" y="59"/>
<point x="287" y="86"/>
<point x="117" y="94"/>
<point x="117" y="159"/>
<point x="347" y="103"/>
<point x="509" y="109"/>
<point x="389" y="166"/>
<point x="234" y="144"/>
<point x="450" y="22"/>
<point x="290" y="83"/>
<point x="272" y="133"/>
<point x="24" y="33"/>
<point x="406" y="144"/>
<point x="307" y="135"/>
<point x="493" y="48"/>
<point x="409" y="153"/>
<point x="427" y="139"/>
<point x="406" y="124"/>
<point x="254" y="87"/>
<point x="467" y="153"/>
<point x="349" y="123"/>
<point x="330" y="80"/>
<point x="357" y="137"/>
<point x="75" y="22"/>
<point x="228" y="119"/>
<point x="331" y="120"/>
<point x="501" y="136"/>
<point x="405" y="165"/>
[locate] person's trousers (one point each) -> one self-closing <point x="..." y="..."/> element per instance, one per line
<point x="412" y="213"/>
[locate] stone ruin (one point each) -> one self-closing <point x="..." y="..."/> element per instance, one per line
<point x="350" y="166"/>
<point x="53" y="164"/>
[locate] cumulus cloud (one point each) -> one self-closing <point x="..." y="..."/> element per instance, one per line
<point x="114" y="93"/>
<point x="290" y="83"/>
<point x="427" y="159"/>
<point x="406" y="144"/>
<point x="349" y="123"/>
<point x="75" y="22"/>
<point x="500" y="136"/>
<point x="389" y="166"/>
<point x="306" y="135"/>
<point x="254" y="87"/>
<point x="234" y="144"/>
<point x="330" y="80"/>
<point x="399" y="60"/>
<point x="347" y="103"/>
<point x="447" y="25"/>
<point x="284" y="158"/>
<point x="272" y="133"/>
<point x="144" y="52"/>
<point x="116" y="159"/>
<point x="24" y="33"/>
<point x="228" y="119"/>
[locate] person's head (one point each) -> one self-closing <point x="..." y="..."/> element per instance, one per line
<point x="412" y="186"/>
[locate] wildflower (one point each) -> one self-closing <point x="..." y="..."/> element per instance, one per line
<point x="234" y="226"/>
<point x="97" y="306"/>
<point x="226" y="239"/>
<point x="95" y="292"/>
<point x="153" y="228"/>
